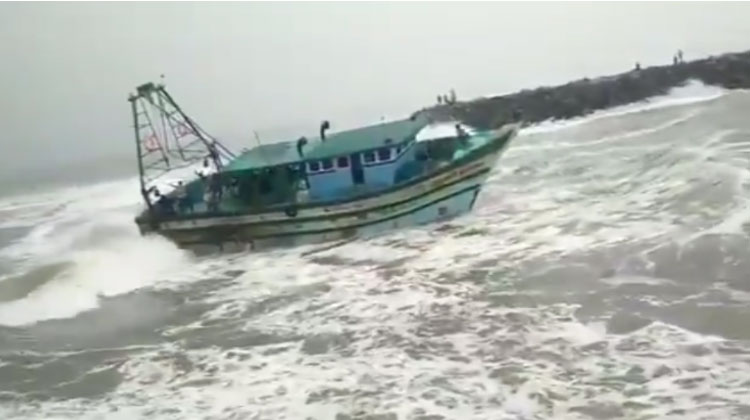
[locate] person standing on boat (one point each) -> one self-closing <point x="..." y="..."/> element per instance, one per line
<point x="461" y="134"/>
<point x="234" y="187"/>
<point x="163" y="204"/>
<point x="153" y="194"/>
<point x="206" y="170"/>
<point x="213" y="152"/>
<point x="184" y="204"/>
<point x="214" y="192"/>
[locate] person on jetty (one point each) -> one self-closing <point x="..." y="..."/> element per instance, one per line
<point x="677" y="58"/>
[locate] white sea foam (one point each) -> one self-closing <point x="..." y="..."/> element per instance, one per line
<point x="90" y="230"/>
<point x="116" y="267"/>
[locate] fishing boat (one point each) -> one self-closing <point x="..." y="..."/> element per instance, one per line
<point x="331" y="186"/>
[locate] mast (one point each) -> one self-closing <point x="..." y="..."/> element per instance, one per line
<point x="144" y="193"/>
<point x="214" y="155"/>
<point x="168" y="140"/>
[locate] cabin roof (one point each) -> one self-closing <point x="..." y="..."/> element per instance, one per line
<point x="265" y="155"/>
<point x="364" y="138"/>
<point x="336" y="144"/>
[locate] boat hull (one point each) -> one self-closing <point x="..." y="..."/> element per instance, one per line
<point x="447" y="194"/>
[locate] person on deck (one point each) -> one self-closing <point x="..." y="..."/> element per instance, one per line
<point x="153" y="194"/>
<point x="461" y="134"/>
<point x="205" y="170"/>
<point x="184" y="203"/>
<point x="214" y="192"/>
<point x="234" y="187"/>
<point x="163" y="204"/>
<point x="213" y="151"/>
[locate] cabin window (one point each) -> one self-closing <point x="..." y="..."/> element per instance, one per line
<point x="384" y="154"/>
<point x="369" y="157"/>
<point x="327" y="164"/>
<point x="398" y="149"/>
<point x="314" y="166"/>
<point x="342" y="162"/>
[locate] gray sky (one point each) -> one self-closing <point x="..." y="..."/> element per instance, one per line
<point x="280" y="68"/>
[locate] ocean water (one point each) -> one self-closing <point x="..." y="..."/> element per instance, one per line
<point x="603" y="274"/>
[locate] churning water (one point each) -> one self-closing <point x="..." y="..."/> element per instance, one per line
<point x="604" y="273"/>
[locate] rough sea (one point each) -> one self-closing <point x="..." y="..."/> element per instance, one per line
<point x="603" y="274"/>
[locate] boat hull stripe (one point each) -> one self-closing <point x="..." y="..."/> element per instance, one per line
<point x="302" y="219"/>
<point x="476" y="189"/>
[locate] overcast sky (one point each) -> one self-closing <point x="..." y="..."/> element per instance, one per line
<point x="280" y="68"/>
